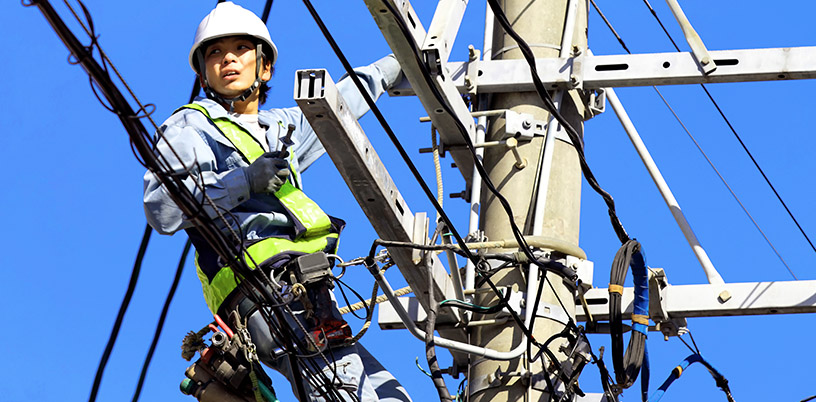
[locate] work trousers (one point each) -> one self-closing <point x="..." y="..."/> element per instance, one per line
<point x="356" y="374"/>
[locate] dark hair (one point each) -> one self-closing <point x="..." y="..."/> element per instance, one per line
<point x="264" y="88"/>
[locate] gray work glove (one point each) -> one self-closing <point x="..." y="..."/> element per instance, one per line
<point x="268" y="173"/>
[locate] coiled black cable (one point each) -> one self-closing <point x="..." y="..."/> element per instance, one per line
<point x="627" y="367"/>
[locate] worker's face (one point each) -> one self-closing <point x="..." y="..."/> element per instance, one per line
<point x="230" y="65"/>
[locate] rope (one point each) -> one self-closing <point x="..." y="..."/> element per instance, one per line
<point x="356" y="306"/>
<point x="440" y="194"/>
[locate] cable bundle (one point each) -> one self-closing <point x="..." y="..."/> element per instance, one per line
<point x="627" y="367"/>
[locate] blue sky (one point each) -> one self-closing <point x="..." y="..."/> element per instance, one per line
<point x="73" y="214"/>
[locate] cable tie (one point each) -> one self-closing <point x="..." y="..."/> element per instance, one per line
<point x="640" y="318"/>
<point x="616" y="289"/>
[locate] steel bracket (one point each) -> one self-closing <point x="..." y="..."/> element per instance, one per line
<point x="596" y="102"/>
<point x="442" y="31"/>
<point x="658" y="306"/>
<point x="523" y="126"/>
<point x="584" y="268"/>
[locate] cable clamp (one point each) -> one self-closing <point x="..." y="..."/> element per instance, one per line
<point x="678" y="371"/>
<point x="616" y="289"/>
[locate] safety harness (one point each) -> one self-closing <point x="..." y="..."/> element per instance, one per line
<point x="314" y="231"/>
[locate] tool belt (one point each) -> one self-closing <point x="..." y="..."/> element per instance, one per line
<point x="308" y="278"/>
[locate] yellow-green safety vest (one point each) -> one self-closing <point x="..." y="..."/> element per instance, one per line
<point x="313" y="228"/>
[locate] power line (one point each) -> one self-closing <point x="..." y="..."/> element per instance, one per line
<point x="694" y="140"/>
<point x="162" y="317"/>
<point x="392" y="136"/>
<point x="739" y="139"/>
<point x="134" y="277"/>
<point x="233" y="252"/>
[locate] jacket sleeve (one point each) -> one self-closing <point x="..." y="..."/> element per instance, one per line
<point x="377" y="77"/>
<point x="193" y="159"/>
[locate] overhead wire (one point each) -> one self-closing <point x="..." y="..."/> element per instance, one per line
<point x="742" y="144"/>
<point x="117" y="324"/>
<point x="182" y="195"/>
<point x="517" y="233"/>
<point x="402" y="151"/>
<point x="162" y="317"/>
<point x="699" y="148"/>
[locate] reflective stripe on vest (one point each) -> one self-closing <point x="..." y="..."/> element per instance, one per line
<point x="217" y="290"/>
<point x="312" y="225"/>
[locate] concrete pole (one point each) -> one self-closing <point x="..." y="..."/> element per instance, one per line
<point x="541" y="24"/>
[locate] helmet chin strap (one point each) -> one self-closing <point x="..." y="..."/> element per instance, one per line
<point x="244" y="95"/>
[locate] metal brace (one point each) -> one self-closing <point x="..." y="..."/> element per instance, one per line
<point x="658" y="310"/>
<point x="420" y="235"/>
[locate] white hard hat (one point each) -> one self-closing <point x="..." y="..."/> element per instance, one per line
<point x="229" y="19"/>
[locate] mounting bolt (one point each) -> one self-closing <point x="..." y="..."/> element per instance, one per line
<point x="574" y="80"/>
<point x="724" y="296"/>
<point x="472" y="53"/>
<point x="576" y="50"/>
<point x="705" y="60"/>
<point x="512" y="143"/>
<point x="468" y="82"/>
<point x="526" y="123"/>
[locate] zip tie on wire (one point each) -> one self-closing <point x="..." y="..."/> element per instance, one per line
<point x="640" y="319"/>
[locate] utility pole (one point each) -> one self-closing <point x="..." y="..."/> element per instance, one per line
<point x="541" y="24"/>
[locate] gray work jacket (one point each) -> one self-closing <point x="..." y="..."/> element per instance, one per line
<point x="197" y="142"/>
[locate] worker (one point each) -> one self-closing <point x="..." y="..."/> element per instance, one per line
<point x="234" y="149"/>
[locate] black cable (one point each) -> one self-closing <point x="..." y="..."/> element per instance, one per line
<point x="404" y="154"/>
<point x="430" y="324"/>
<point x="573" y="134"/>
<point x="134" y="277"/>
<point x="162" y="317"/>
<point x="230" y="250"/>
<point x="739" y="139"/>
<point x="606" y="379"/>
<point x="340" y="285"/>
<point x="530" y="359"/>
<point x="517" y="233"/>
<point x="627" y="367"/>
<point x="691" y="137"/>
<point x="478" y="309"/>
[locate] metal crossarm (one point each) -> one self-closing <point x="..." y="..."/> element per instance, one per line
<point x="688" y="301"/>
<point x="369" y="181"/>
<point x="405" y="49"/>
<point x="613" y="71"/>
